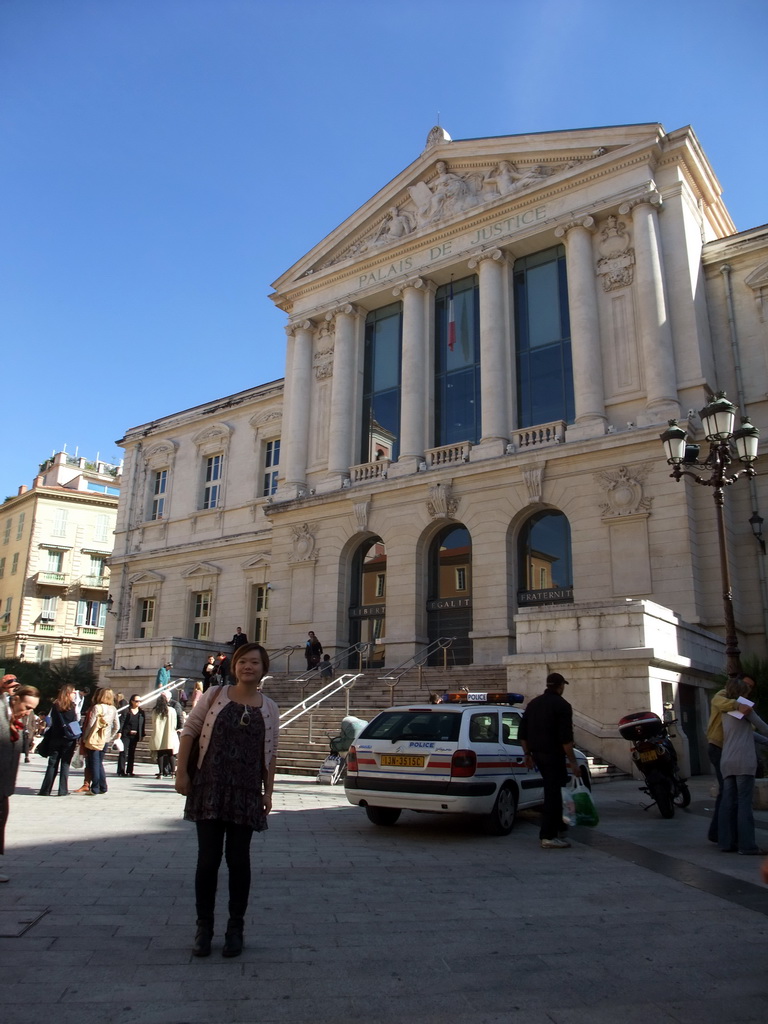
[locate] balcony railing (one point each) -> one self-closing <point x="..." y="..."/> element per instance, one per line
<point x="89" y="631"/>
<point x="52" y="579"/>
<point x="540" y="436"/>
<point x="94" y="582"/>
<point x="369" y="471"/>
<point x="448" y="454"/>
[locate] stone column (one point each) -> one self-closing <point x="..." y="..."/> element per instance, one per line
<point x="298" y="381"/>
<point x="586" y="357"/>
<point x="414" y="369"/>
<point x="495" y="332"/>
<point x="653" y="313"/>
<point x="343" y="404"/>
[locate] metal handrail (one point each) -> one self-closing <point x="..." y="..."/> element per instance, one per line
<point x="344" y="682"/>
<point x="172" y="685"/>
<point x="442" y="643"/>
<point x="289" y="649"/>
<point x="314" y="673"/>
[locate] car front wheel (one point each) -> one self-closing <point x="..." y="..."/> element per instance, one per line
<point x="383" y="815"/>
<point x="502" y="818"/>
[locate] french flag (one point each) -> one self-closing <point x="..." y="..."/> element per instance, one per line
<point x="451" y="322"/>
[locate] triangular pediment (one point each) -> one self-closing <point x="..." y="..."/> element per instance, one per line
<point x="147" y="576"/>
<point x="454" y="180"/>
<point x="200" y="569"/>
<point x="260" y="561"/>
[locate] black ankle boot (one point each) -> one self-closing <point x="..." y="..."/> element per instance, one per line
<point x="203" y="936"/>
<point x="233" y="938"/>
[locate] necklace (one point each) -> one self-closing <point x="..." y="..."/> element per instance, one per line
<point x="245" y="718"/>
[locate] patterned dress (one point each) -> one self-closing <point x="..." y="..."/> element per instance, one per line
<point x="228" y="786"/>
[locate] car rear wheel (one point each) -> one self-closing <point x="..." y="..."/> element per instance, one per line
<point x="383" y="815"/>
<point x="502" y="818"/>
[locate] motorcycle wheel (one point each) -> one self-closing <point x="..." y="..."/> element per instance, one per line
<point x="683" y="795"/>
<point x="662" y="794"/>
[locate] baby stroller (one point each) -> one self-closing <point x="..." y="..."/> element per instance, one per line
<point x="334" y="767"/>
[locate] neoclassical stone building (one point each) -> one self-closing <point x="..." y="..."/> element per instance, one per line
<point x="480" y="362"/>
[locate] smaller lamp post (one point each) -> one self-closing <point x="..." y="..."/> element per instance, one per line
<point x="724" y="443"/>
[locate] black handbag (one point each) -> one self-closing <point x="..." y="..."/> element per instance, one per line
<point x="43" y="748"/>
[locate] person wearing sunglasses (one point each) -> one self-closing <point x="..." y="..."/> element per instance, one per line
<point x="226" y="770"/>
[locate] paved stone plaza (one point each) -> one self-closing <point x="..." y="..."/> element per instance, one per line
<point x="429" y="922"/>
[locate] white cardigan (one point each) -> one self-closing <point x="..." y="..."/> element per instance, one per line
<point x="202" y="717"/>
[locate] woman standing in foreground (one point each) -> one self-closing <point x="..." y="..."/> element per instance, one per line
<point x="230" y="792"/>
<point x="61" y="742"/>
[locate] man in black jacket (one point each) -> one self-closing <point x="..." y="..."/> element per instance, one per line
<point x="546" y="735"/>
<point x="132" y="723"/>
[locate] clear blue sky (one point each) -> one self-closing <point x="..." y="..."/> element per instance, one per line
<point x="163" y="161"/>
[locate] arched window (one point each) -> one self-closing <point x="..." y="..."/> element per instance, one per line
<point x="545" y="572"/>
<point x="368" y="600"/>
<point x="449" y="603"/>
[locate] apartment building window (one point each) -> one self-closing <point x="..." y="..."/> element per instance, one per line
<point x="146" y="628"/>
<point x="20" y="525"/>
<point x="2" y="567"/>
<point x="48" y="612"/>
<point x="214" y="473"/>
<point x="97" y="566"/>
<point x="201" y="615"/>
<point x="101" y="528"/>
<point x="91" y="613"/>
<point x="60" y="523"/>
<point x="43" y="652"/>
<point x="271" y="463"/>
<point x="461" y="579"/>
<point x="15" y="564"/>
<point x="7" y="531"/>
<point x="8" y="607"/>
<point x="380" y="584"/>
<point x="159" y="493"/>
<point x="55" y="560"/>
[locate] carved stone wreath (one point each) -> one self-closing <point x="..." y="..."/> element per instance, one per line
<point x="623" y="490"/>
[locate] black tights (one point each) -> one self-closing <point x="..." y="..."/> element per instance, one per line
<point x="211" y="836"/>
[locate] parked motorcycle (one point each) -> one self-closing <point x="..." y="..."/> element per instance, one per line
<point x="655" y="757"/>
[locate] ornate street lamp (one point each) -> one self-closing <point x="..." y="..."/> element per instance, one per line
<point x="725" y="443"/>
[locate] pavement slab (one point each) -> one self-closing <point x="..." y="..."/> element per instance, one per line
<point x="430" y="921"/>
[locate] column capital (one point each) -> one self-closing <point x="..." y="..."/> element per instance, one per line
<point x="586" y="222"/>
<point x="650" y="198"/>
<point x="414" y="282"/>
<point x="345" y="309"/>
<point x="299" y="325"/>
<point x="498" y="255"/>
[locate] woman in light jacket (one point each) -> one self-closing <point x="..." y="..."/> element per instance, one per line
<point x="102" y="726"/>
<point x="230" y="792"/>
<point x="738" y="764"/>
<point x="165" y="737"/>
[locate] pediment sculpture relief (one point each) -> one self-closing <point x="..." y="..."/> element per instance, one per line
<point x="447" y="194"/>
<point x="441" y="504"/>
<point x="304" y="544"/>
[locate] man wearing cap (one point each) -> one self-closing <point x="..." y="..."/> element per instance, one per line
<point x="546" y="735"/>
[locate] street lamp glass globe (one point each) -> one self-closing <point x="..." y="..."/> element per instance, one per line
<point x="673" y="439"/>
<point x="746" y="439"/>
<point x="717" y="418"/>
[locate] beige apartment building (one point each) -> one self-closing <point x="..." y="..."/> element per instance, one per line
<point x="55" y="539"/>
<point x="480" y="362"/>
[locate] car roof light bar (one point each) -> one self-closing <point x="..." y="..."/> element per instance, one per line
<point x="475" y="697"/>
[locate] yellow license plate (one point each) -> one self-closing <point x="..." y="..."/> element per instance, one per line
<point x="648" y="755"/>
<point x="401" y="761"/>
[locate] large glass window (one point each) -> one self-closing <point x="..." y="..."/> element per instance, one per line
<point x="271" y="464"/>
<point x="457" y="363"/>
<point x="545" y="571"/>
<point x="201" y="615"/>
<point x="146" y="616"/>
<point x="91" y="613"/>
<point x="381" y="384"/>
<point x="543" y="332"/>
<point x="214" y="473"/>
<point x="368" y="601"/>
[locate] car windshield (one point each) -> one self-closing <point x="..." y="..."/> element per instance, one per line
<point x="413" y="725"/>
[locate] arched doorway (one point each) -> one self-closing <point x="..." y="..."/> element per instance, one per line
<point x="544" y="566"/>
<point x="449" y="600"/>
<point x="368" y="601"/>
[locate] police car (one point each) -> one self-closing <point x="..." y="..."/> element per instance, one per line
<point x="459" y="756"/>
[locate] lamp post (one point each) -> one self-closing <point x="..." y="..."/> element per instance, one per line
<point x="724" y="443"/>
